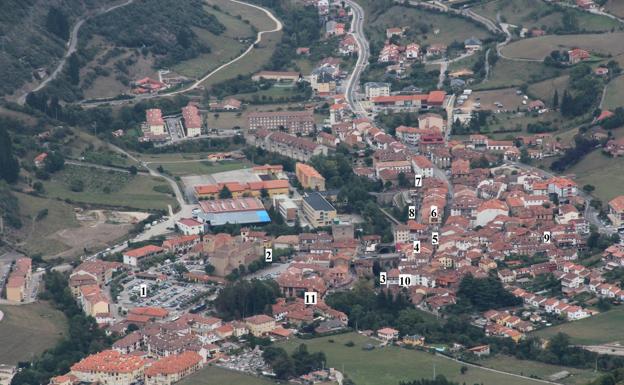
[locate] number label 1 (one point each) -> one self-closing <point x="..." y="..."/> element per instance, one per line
<point x="310" y="298"/>
<point x="547" y="237"/>
<point x="435" y="238"/>
<point x="143" y="290"/>
<point x="268" y="255"/>
<point x="417" y="247"/>
<point x="383" y="278"/>
<point x="405" y="280"/>
<point x="411" y="212"/>
<point x="418" y="179"/>
<point x="434" y="211"/>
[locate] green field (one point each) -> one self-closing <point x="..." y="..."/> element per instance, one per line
<point x="545" y="90"/>
<point x="390" y="365"/>
<point x="28" y="330"/>
<point x="538" y="14"/>
<point x="539" y="370"/>
<point x="422" y="26"/>
<point x="201" y="168"/>
<point x="615" y="94"/>
<point x="217" y="376"/>
<point x="599" y="329"/>
<point x="601" y="171"/>
<point x="509" y="73"/>
<point x="34" y="232"/>
<point x="540" y="47"/>
<point x="109" y="188"/>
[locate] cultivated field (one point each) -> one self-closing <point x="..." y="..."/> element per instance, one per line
<point x="615" y="7"/>
<point x="110" y="188"/>
<point x="615" y="94"/>
<point x="540" y="47"/>
<point x="539" y="370"/>
<point x="506" y="96"/>
<point x="424" y="26"/>
<point x="539" y="14"/>
<point x="509" y="73"/>
<point x="599" y="329"/>
<point x="212" y="375"/>
<point x="28" y="330"/>
<point x="391" y="365"/>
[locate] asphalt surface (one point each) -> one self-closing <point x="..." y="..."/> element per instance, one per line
<point x="353" y="82"/>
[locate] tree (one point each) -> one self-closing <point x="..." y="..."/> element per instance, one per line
<point x="57" y="23"/>
<point x="73" y="69"/>
<point x="555" y="101"/>
<point x="588" y="188"/>
<point x="54" y="162"/>
<point x="133" y="170"/>
<point x="463" y="369"/>
<point x="9" y="166"/>
<point x="225" y="193"/>
<point x="209" y="268"/>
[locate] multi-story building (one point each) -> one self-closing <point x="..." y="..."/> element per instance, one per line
<point x="110" y="367"/>
<point x="171" y="369"/>
<point x="317" y="210"/>
<point x="239" y="190"/>
<point x="155" y="122"/>
<point x="132" y="257"/>
<point x="192" y="120"/>
<point x="260" y="325"/>
<point x="309" y="177"/>
<point x="292" y="146"/>
<point x="18" y="282"/>
<point x="287" y="208"/>
<point x="294" y="122"/>
<point x="375" y="89"/>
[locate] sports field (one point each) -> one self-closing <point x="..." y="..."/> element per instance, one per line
<point x="599" y="329"/>
<point x="28" y="330"/>
<point x="391" y="365"/>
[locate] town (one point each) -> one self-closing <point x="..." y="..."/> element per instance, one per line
<point x="384" y="206"/>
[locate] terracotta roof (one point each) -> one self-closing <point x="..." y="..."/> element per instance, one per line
<point x="174" y="364"/>
<point x="617" y="204"/>
<point x="109" y="361"/>
<point x="143" y="251"/>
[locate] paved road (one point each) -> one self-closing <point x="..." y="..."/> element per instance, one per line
<point x="357" y="30"/>
<point x="71" y="48"/>
<point x="197" y="84"/>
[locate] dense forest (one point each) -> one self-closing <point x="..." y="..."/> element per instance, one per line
<point x="161" y="27"/>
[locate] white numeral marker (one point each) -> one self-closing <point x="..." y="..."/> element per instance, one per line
<point x="411" y="212"/>
<point x="268" y="255"/>
<point x="309" y="298"/>
<point x="383" y="278"/>
<point x="405" y="280"/>
<point x="435" y="238"/>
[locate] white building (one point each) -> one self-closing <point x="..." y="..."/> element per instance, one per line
<point x="188" y="226"/>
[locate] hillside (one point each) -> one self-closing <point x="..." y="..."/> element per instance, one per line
<point x="34" y="33"/>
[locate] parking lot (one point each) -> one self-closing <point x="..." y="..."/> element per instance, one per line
<point x="174" y="126"/>
<point x="173" y="295"/>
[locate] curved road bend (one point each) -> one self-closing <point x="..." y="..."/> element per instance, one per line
<point x="196" y="84"/>
<point x="71" y="48"/>
<point x="357" y="30"/>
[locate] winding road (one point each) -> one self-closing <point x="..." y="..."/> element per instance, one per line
<point x="71" y="48"/>
<point x="74" y="39"/>
<point x="357" y="30"/>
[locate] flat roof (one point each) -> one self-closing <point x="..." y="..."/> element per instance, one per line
<point x="317" y="202"/>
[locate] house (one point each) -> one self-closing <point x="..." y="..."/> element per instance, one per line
<point x="616" y="211"/>
<point x="18" y="282"/>
<point x="564" y="188"/>
<point x="40" y="160"/>
<point x="309" y="178"/>
<point x="536" y="105"/>
<point x="414" y="340"/>
<point x="481" y="350"/>
<point x="391" y="32"/>
<point x="317" y="210"/>
<point x="132" y="257"/>
<point x="577" y="55"/>
<point x="229" y="104"/>
<point x="472" y="44"/>
<point x="388" y="334"/>
<point x="323" y="81"/>
<point x="422" y="166"/>
<point x="489" y="210"/>
<point x="303" y="51"/>
<point x="260" y="325"/>
<point x="189" y="226"/>
<point x="412" y="51"/>
<point x="615" y="147"/>
<point x="348" y="45"/>
<point x="436" y="50"/>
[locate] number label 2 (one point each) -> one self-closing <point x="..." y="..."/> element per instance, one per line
<point x="268" y="255"/>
